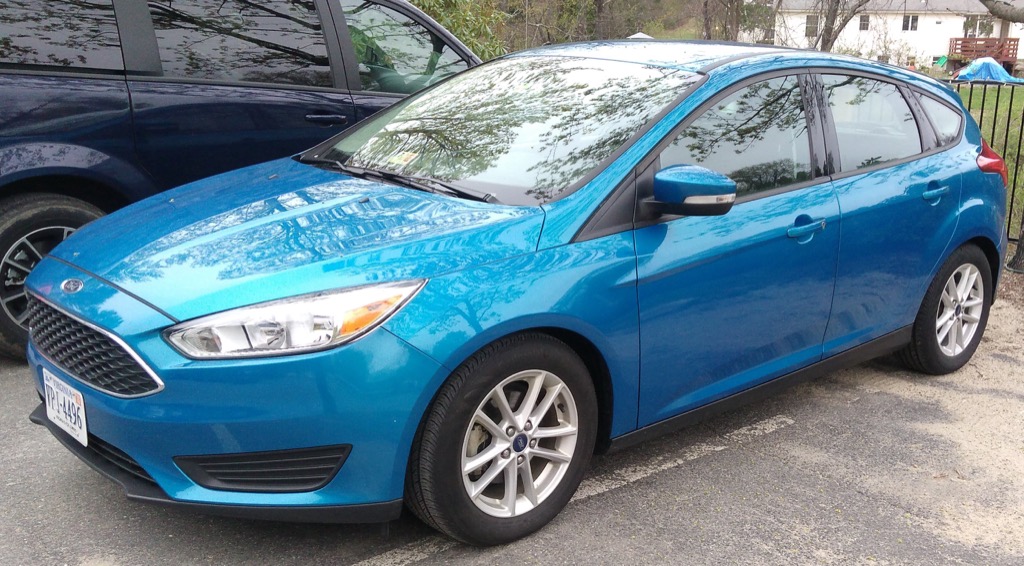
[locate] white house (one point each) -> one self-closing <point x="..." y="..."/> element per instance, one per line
<point x="902" y="32"/>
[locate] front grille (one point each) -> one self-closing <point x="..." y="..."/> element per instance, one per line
<point x="85" y="353"/>
<point x="281" y="471"/>
<point x="118" y="458"/>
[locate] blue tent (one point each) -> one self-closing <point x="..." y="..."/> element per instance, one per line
<point x="986" y="69"/>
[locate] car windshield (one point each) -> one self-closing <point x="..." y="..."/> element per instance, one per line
<point x="521" y="129"/>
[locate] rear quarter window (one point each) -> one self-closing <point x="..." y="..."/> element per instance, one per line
<point x="70" y="34"/>
<point x="946" y="121"/>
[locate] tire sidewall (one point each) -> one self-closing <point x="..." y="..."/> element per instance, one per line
<point x="22" y="219"/>
<point x="462" y="515"/>
<point x="934" y="360"/>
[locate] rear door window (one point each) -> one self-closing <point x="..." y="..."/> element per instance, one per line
<point x="873" y="121"/>
<point x="60" y="33"/>
<point x="271" y="41"/>
<point x="396" y="53"/>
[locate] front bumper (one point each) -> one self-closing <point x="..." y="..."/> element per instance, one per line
<point x="369" y="394"/>
<point x="138" y="489"/>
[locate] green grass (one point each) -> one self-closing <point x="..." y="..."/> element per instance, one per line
<point x="999" y="111"/>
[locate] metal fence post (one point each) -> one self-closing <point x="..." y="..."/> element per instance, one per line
<point x="1016" y="263"/>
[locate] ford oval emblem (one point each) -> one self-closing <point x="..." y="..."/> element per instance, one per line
<point x="72" y="286"/>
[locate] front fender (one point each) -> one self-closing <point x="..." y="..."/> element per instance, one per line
<point x="588" y="288"/>
<point x="49" y="159"/>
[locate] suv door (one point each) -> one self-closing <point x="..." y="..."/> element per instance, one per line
<point x="728" y="302"/>
<point x="392" y="50"/>
<point x="899" y="192"/>
<point x="235" y="83"/>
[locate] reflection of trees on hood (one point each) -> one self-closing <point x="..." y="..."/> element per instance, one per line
<point x="554" y="118"/>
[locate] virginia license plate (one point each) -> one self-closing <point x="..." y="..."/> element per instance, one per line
<point x="65" y="407"/>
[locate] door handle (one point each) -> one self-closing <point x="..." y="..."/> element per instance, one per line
<point x="327" y="119"/>
<point x="934" y="194"/>
<point x="805" y="229"/>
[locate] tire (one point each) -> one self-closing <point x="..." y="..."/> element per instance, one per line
<point x="953" y="315"/>
<point x="30" y="226"/>
<point x="463" y="430"/>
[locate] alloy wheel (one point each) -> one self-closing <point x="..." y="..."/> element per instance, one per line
<point x="519" y="443"/>
<point x="18" y="262"/>
<point x="960" y="310"/>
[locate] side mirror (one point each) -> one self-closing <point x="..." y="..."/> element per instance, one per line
<point x="692" y="190"/>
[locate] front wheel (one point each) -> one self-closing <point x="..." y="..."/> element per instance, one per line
<point x="505" y="444"/>
<point x="953" y="315"/>
<point x="30" y="226"/>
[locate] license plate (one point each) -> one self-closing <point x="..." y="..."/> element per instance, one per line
<point x="65" y="407"/>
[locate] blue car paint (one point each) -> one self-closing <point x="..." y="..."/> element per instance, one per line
<point x="729" y="302"/>
<point x="492" y="270"/>
<point x="238" y="248"/>
<point x="675" y="184"/>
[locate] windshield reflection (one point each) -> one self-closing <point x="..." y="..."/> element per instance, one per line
<point x="524" y="129"/>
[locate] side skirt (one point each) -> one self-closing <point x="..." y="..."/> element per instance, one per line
<point x="868" y="351"/>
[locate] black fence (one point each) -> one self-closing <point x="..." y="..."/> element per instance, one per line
<point x="999" y="111"/>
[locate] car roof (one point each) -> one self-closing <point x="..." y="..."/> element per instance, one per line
<point x="693" y="56"/>
<point x="698" y="56"/>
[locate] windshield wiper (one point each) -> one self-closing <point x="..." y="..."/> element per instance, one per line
<point x="434" y="186"/>
<point x="424" y="184"/>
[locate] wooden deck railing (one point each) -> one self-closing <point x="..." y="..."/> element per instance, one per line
<point x="1002" y="49"/>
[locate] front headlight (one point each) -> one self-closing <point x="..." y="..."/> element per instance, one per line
<point x="299" y="324"/>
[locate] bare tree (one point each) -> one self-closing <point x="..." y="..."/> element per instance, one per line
<point x="1005" y="10"/>
<point x="833" y="15"/>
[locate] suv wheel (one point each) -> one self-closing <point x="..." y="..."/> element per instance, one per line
<point x="30" y="226"/>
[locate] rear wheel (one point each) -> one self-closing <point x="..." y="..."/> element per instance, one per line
<point x="953" y="315"/>
<point x="506" y="442"/>
<point x="30" y="226"/>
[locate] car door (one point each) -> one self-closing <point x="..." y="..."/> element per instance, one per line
<point x="728" y="302"/>
<point x="899" y="193"/>
<point x="393" y="50"/>
<point x="235" y="83"/>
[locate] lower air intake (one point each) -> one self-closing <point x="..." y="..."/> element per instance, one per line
<point x="282" y="471"/>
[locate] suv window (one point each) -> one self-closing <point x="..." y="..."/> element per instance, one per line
<point x="61" y="33"/>
<point x="396" y="53"/>
<point x="756" y="135"/>
<point x="873" y="121"/>
<point x="945" y="120"/>
<point x="272" y="41"/>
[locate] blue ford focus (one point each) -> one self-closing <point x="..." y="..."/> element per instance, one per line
<point x="454" y="305"/>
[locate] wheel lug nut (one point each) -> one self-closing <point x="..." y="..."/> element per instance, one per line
<point x="506" y="453"/>
<point x="520" y="459"/>
<point x="529" y="426"/>
<point x="510" y="431"/>
<point x="533" y="443"/>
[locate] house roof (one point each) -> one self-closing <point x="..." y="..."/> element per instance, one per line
<point x="908" y="6"/>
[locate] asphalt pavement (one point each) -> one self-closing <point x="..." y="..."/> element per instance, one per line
<point x="871" y="465"/>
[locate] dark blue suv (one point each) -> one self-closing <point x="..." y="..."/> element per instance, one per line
<point x="109" y="101"/>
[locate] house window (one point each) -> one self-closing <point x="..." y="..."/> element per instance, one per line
<point x="864" y="22"/>
<point x="811" y="28"/>
<point x="883" y="58"/>
<point x="909" y="23"/>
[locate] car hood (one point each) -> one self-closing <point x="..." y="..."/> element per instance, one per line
<point x="283" y="229"/>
